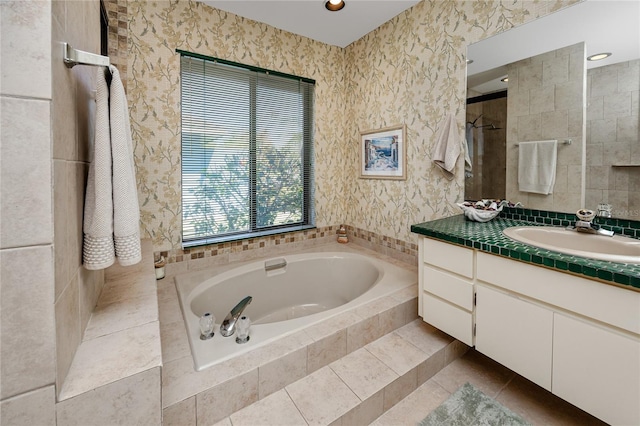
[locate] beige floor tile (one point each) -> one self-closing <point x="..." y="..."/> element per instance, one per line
<point x="181" y="414"/>
<point x="397" y="353"/>
<point x="276" y="374"/>
<point x="328" y="400"/>
<point x="540" y="407"/>
<point x="276" y="409"/>
<point x="363" y="373"/>
<point x="414" y="407"/>
<point x="477" y="369"/>
<point x="175" y="343"/>
<point x="400" y="388"/>
<point x="369" y="410"/>
<point x="427" y="338"/>
<point x="326" y="350"/>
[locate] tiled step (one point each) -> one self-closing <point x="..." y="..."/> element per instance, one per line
<point x="359" y="387"/>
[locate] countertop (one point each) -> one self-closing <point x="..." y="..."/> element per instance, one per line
<point x="488" y="237"/>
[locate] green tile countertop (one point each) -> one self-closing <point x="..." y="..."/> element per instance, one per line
<point x="488" y="237"/>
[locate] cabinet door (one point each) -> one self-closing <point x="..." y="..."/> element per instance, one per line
<point x="516" y="333"/>
<point x="597" y="370"/>
<point x="449" y="318"/>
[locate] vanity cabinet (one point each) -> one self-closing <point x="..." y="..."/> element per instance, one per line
<point x="597" y="369"/>
<point x="576" y="337"/>
<point x="516" y="333"/>
<point x="446" y="288"/>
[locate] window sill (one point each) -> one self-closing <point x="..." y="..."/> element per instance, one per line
<point x="244" y="236"/>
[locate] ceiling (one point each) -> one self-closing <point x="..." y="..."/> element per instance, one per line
<point x="309" y="18"/>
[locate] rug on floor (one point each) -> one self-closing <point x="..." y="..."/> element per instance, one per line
<point x="468" y="406"/>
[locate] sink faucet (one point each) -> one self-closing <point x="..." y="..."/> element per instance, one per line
<point x="228" y="326"/>
<point x="592" y="228"/>
<point x="584" y="224"/>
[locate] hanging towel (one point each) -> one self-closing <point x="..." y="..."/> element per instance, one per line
<point x="447" y="148"/>
<point x="112" y="215"/>
<point x="98" y="251"/>
<point x="126" y="211"/>
<point x="537" y="166"/>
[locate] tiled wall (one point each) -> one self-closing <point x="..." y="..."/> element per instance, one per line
<point x="47" y="114"/>
<point x="613" y="138"/>
<point x="546" y="101"/>
<point x="27" y="335"/>
<point x="181" y="260"/>
<point x="72" y="111"/>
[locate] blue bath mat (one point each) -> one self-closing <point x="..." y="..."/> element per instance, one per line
<point x="469" y="407"/>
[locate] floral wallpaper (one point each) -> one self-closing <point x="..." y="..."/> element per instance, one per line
<point x="410" y="70"/>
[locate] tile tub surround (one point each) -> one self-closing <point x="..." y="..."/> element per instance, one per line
<point x="120" y="357"/>
<point x="216" y="254"/>
<point x="488" y="237"/>
<point x="266" y="370"/>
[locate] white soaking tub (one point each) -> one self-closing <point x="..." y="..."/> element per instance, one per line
<point x="310" y="288"/>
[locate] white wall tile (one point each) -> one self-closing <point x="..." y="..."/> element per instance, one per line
<point x="68" y="331"/>
<point x="116" y="403"/>
<point x="27" y="332"/>
<point x="25" y="173"/>
<point x="25" y="37"/>
<point x="37" y="408"/>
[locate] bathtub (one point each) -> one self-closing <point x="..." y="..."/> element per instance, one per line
<point x="290" y="292"/>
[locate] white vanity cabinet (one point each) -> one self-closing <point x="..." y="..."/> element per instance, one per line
<point x="446" y="288"/>
<point x="576" y="337"/>
<point x="516" y="333"/>
<point x="597" y="369"/>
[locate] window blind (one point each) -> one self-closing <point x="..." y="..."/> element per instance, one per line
<point x="247" y="160"/>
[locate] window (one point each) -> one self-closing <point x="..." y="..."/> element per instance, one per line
<point x="247" y="160"/>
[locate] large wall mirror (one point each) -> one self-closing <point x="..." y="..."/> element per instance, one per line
<point x="534" y="83"/>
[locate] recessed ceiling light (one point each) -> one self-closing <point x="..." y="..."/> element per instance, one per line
<point x="505" y="79"/>
<point x="598" y="56"/>
<point x="334" y="5"/>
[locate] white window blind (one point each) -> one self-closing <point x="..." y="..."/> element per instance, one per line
<point x="247" y="160"/>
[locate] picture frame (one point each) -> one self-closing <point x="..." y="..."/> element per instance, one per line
<point x="383" y="153"/>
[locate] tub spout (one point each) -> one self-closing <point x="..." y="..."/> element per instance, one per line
<point x="228" y="326"/>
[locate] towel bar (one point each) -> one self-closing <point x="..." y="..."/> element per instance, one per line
<point x="564" y="142"/>
<point x="73" y="57"/>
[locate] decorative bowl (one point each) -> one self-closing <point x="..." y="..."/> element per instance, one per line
<point x="478" y="214"/>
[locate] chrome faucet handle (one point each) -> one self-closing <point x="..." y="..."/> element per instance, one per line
<point x="585" y="215"/>
<point x="604" y="210"/>
<point x="207" y="323"/>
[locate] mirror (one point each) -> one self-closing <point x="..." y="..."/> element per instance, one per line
<point x="594" y="105"/>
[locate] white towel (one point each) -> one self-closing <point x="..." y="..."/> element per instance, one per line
<point x="537" y="166"/>
<point x="112" y="215"/>
<point x="447" y="149"/>
<point x="126" y="211"/>
<point x="98" y="251"/>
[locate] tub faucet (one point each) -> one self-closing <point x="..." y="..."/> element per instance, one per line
<point x="228" y="326"/>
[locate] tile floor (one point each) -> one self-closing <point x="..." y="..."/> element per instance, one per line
<point x="530" y="401"/>
<point x="378" y="378"/>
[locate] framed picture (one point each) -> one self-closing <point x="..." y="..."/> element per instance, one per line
<point x="383" y="153"/>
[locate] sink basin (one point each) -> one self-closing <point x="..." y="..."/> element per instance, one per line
<point x="614" y="249"/>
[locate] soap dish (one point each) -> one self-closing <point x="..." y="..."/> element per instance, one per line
<point x="479" y="215"/>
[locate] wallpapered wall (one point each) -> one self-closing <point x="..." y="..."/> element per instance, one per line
<point x="410" y="70"/>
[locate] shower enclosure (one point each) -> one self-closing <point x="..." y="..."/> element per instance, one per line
<point x="486" y="139"/>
